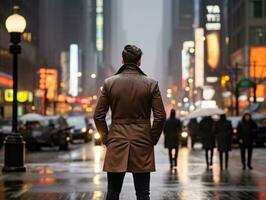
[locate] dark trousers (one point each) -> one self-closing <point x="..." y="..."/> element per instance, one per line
<point x="221" y="159"/>
<point x="243" y="154"/>
<point x="173" y="156"/>
<point x="208" y="159"/>
<point x="141" y="183"/>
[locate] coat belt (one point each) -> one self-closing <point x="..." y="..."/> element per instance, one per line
<point x="131" y="121"/>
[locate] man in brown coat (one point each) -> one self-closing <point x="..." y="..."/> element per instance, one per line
<point x="130" y="141"/>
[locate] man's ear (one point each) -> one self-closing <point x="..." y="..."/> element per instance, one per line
<point x="139" y="62"/>
<point x="122" y="61"/>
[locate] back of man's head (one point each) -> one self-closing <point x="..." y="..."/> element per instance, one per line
<point x="131" y="54"/>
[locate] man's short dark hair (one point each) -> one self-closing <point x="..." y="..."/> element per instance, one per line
<point x="131" y="54"/>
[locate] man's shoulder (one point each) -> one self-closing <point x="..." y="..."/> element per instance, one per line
<point x="117" y="76"/>
<point x="111" y="78"/>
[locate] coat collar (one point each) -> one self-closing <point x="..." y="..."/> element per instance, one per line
<point x="131" y="66"/>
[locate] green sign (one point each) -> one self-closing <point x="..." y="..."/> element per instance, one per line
<point x="246" y="83"/>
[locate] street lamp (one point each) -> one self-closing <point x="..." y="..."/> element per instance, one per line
<point x="14" y="144"/>
<point x="93" y="75"/>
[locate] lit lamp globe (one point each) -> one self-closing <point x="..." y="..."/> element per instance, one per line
<point x="15" y="25"/>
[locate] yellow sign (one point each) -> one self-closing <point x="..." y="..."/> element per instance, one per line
<point x="22" y="96"/>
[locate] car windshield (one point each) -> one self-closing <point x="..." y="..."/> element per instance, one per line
<point x="261" y="122"/>
<point x="33" y="125"/>
<point x="76" y="121"/>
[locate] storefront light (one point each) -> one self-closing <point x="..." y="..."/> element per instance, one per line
<point x="22" y="96"/>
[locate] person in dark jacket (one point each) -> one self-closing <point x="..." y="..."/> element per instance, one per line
<point x="172" y="130"/>
<point x="223" y="130"/>
<point x="193" y="128"/>
<point x="246" y="133"/>
<point x="208" y="138"/>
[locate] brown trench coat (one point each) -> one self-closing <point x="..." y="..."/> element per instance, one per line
<point x="130" y="141"/>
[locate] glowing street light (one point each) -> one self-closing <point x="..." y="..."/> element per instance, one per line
<point x="169" y="95"/>
<point x="173" y="101"/>
<point x="93" y="75"/>
<point x="190" y="80"/>
<point x="191" y="50"/>
<point x="187" y="88"/>
<point x="185" y="99"/>
<point x="79" y="74"/>
<point x="169" y="91"/>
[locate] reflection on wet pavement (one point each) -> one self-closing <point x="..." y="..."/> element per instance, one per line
<point x="77" y="174"/>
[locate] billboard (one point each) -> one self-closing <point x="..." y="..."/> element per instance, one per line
<point x="199" y="57"/>
<point x="212" y="20"/>
<point x="49" y="82"/>
<point x="213" y="50"/>
<point x="188" y="46"/>
<point x="73" y="80"/>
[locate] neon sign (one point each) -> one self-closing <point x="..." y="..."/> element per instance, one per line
<point x="213" y="18"/>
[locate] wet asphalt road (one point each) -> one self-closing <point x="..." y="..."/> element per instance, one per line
<point x="76" y="174"/>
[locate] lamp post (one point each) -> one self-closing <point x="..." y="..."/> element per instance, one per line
<point x="14" y="144"/>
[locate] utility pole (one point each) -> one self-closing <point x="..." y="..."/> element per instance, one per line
<point x="236" y="90"/>
<point x="255" y="83"/>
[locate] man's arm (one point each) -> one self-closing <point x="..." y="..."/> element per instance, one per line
<point x="100" y="114"/>
<point x="158" y="114"/>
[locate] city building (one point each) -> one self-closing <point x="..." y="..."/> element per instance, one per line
<point x="247" y="48"/>
<point x="66" y="22"/>
<point x="181" y="31"/>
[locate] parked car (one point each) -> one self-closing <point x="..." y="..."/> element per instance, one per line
<point x="5" y="130"/>
<point x="51" y="131"/>
<point x="260" y="119"/>
<point x="82" y="128"/>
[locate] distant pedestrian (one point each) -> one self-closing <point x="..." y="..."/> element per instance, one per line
<point x="130" y="141"/>
<point x="246" y="133"/>
<point x="223" y="130"/>
<point x="193" y="129"/>
<point x="208" y="138"/>
<point x="172" y="131"/>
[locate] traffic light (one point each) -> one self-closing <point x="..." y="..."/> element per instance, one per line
<point x="224" y="80"/>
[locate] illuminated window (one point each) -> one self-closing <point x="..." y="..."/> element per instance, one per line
<point x="257" y="36"/>
<point x="27" y="36"/>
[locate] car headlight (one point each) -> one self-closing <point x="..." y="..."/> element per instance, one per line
<point x="90" y="131"/>
<point x="97" y="136"/>
<point x="184" y="134"/>
<point x="83" y="130"/>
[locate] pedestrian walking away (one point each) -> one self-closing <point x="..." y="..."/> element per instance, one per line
<point x="208" y="138"/>
<point x="246" y="134"/>
<point x="130" y="141"/>
<point x="224" y="131"/>
<point x="172" y="131"/>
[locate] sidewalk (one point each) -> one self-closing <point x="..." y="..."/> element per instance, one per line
<point x="191" y="181"/>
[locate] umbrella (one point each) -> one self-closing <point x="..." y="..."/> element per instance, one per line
<point x="202" y="112"/>
<point x="30" y="117"/>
